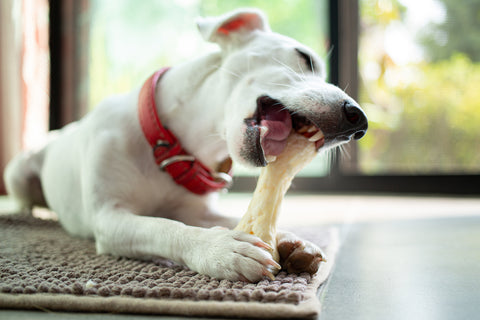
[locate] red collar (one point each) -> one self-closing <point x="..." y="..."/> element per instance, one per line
<point x="169" y="153"/>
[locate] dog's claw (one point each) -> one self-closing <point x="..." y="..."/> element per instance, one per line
<point x="268" y="274"/>
<point x="274" y="264"/>
<point x="263" y="245"/>
<point x="323" y="258"/>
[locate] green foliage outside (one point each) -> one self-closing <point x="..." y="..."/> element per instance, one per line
<point x="130" y="38"/>
<point x="438" y="126"/>
<point x="424" y="116"/>
<point x="304" y="20"/>
<point x="459" y="33"/>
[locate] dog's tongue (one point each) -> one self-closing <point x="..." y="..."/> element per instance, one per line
<point x="276" y="126"/>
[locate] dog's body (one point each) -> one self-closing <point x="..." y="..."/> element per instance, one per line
<point x="99" y="176"/>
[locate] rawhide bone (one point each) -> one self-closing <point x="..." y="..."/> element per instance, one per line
<point x="274" y="180"/>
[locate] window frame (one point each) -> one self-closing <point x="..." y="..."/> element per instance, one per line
<point x="344" y="35"/>
<point x="68" y="41"/>
<point x="68" y="28"/>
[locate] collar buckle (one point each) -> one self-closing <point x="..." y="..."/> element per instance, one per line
<point x="165" y="163"/>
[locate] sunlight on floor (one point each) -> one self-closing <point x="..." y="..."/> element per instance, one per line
<point x="309" y="209"/>
<point x="304" y="210"/>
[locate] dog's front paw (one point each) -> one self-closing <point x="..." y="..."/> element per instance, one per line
<point x="232" y="255"/>
<point x="296" y="255"/>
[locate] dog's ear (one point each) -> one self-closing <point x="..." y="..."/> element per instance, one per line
<point x="239" y="22"/>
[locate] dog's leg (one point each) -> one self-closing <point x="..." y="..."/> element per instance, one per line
<point x="213" y="219"/>
<point x="296" y="255"/>
<point x="22" y="179"/>
<point x="22" y="175"/>
<point x="218" y="252"/>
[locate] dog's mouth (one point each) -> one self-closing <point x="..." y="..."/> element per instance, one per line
<point x="269" y="127"/>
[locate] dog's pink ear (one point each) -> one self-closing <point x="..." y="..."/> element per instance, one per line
<point x="240" y="22"/>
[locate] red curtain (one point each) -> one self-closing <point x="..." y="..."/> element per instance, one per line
<point x="24" y="74"/>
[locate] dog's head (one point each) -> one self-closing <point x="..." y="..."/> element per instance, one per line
<point x="275" y="85"/>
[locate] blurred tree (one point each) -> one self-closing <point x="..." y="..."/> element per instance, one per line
<point x="459" y="32"/>
<point x="423" y="115"/>
<point x="438" y="128"/>
<point x="303" y="20"/>
<point x="380" y="13"/>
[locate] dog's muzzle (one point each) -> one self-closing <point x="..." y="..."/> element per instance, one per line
<point x="267" y="130"/>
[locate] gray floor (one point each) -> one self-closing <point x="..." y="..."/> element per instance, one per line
<point x="403" y="268"/>
<point x="421" y="269"/>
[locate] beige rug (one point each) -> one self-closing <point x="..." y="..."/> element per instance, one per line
<point x="41" y="267"/>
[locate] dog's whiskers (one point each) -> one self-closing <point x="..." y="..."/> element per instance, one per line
<point x="282" y="85"/>
<point x="329" y="157"/>
<point x="346" y="152"/>
<point x="329" y="53"/>
<point x="311" y="66"/>
<point x="343" y="152"/>
<point x="214" y="135"/>
<point x="229" y="71"/>
<point x="301" y="70"/>
<point x="288" y="68"/>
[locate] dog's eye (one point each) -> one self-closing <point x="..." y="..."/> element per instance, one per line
<point x="308" y="60"/>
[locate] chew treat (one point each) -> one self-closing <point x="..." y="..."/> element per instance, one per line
<point x="273" y="182"/>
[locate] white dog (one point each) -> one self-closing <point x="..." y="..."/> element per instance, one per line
<point x="141" y="187"/>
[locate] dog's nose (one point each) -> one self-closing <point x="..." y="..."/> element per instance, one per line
<point x="356" y="122"/>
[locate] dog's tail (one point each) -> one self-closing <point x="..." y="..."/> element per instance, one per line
<point x="22" y="180"/>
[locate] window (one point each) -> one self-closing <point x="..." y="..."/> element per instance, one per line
<point x="419" y="66"/>
<point x="129" y="40"/>
<point x="412" y="65"/>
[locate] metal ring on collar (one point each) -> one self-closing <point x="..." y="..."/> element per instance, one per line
<point x="223" y="177"/>
<point x="165" y="163"/>
<point x="160" y="143"/>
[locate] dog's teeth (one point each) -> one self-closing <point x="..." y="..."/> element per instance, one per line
<point x="303" y="129"/>
<point x="270" y="158"/>
<point x="263" y="131"/>
<point x="317" y="136"/>
<point x="312" y="128"/>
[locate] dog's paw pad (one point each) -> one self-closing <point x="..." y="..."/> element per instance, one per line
<point x="297" y="257"/>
